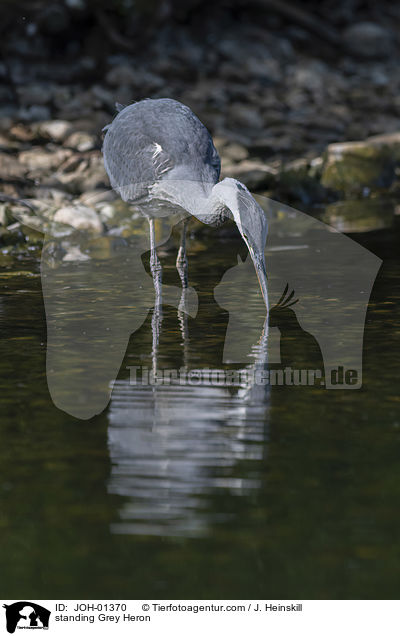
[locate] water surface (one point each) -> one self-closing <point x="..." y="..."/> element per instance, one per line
<point x="199" y="491"/>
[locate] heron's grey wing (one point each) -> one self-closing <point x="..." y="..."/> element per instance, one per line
<point x="133" y="160"/>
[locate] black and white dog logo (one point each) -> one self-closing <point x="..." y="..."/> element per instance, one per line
<point x="26" y="615"/>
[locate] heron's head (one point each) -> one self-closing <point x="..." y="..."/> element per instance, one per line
<point x="251" y="222"/>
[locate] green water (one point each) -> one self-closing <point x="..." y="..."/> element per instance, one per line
<point x="185" y="492"/>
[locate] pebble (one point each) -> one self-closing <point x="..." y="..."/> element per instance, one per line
<point x="34" y="113"/>
<point x="234" y="152"/>
<point x="38" y="94"/>
<point x="121" y="75"/>
<point x="57" y="129"/>
<point x="74" y="253"/>
<point x="81" y="141"/>
<point x="80" y="217"/>
<point x="93" y="197"/>
<point x="43" y="159"/>
<point x="246" y="116"/>
<point x="369" y="40"/>
<point x="10" y="168"/>
<point x="255" y="175"/>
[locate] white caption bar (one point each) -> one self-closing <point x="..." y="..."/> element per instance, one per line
<point x="278" y="618"/>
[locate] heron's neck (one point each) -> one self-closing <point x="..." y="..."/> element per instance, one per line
<point x="195" y="197"/>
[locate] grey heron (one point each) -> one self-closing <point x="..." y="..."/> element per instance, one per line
<point x="160" y="157"/>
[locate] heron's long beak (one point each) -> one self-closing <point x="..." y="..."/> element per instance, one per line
<point x="259" y="265"/>
<point x="256" y="253"/>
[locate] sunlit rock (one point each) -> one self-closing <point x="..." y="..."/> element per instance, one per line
<point x="353" y="166"/>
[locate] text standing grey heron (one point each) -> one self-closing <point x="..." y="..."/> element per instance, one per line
<point x="160" y="157"/>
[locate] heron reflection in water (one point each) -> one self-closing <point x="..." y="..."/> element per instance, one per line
<point x="178" y="444"/>
<point x="160" y="157"/>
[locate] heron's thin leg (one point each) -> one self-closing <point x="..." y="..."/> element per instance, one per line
<point x="156" y="271"/>
<point x="182" y="265"/>
<point x="155" y="265"/>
